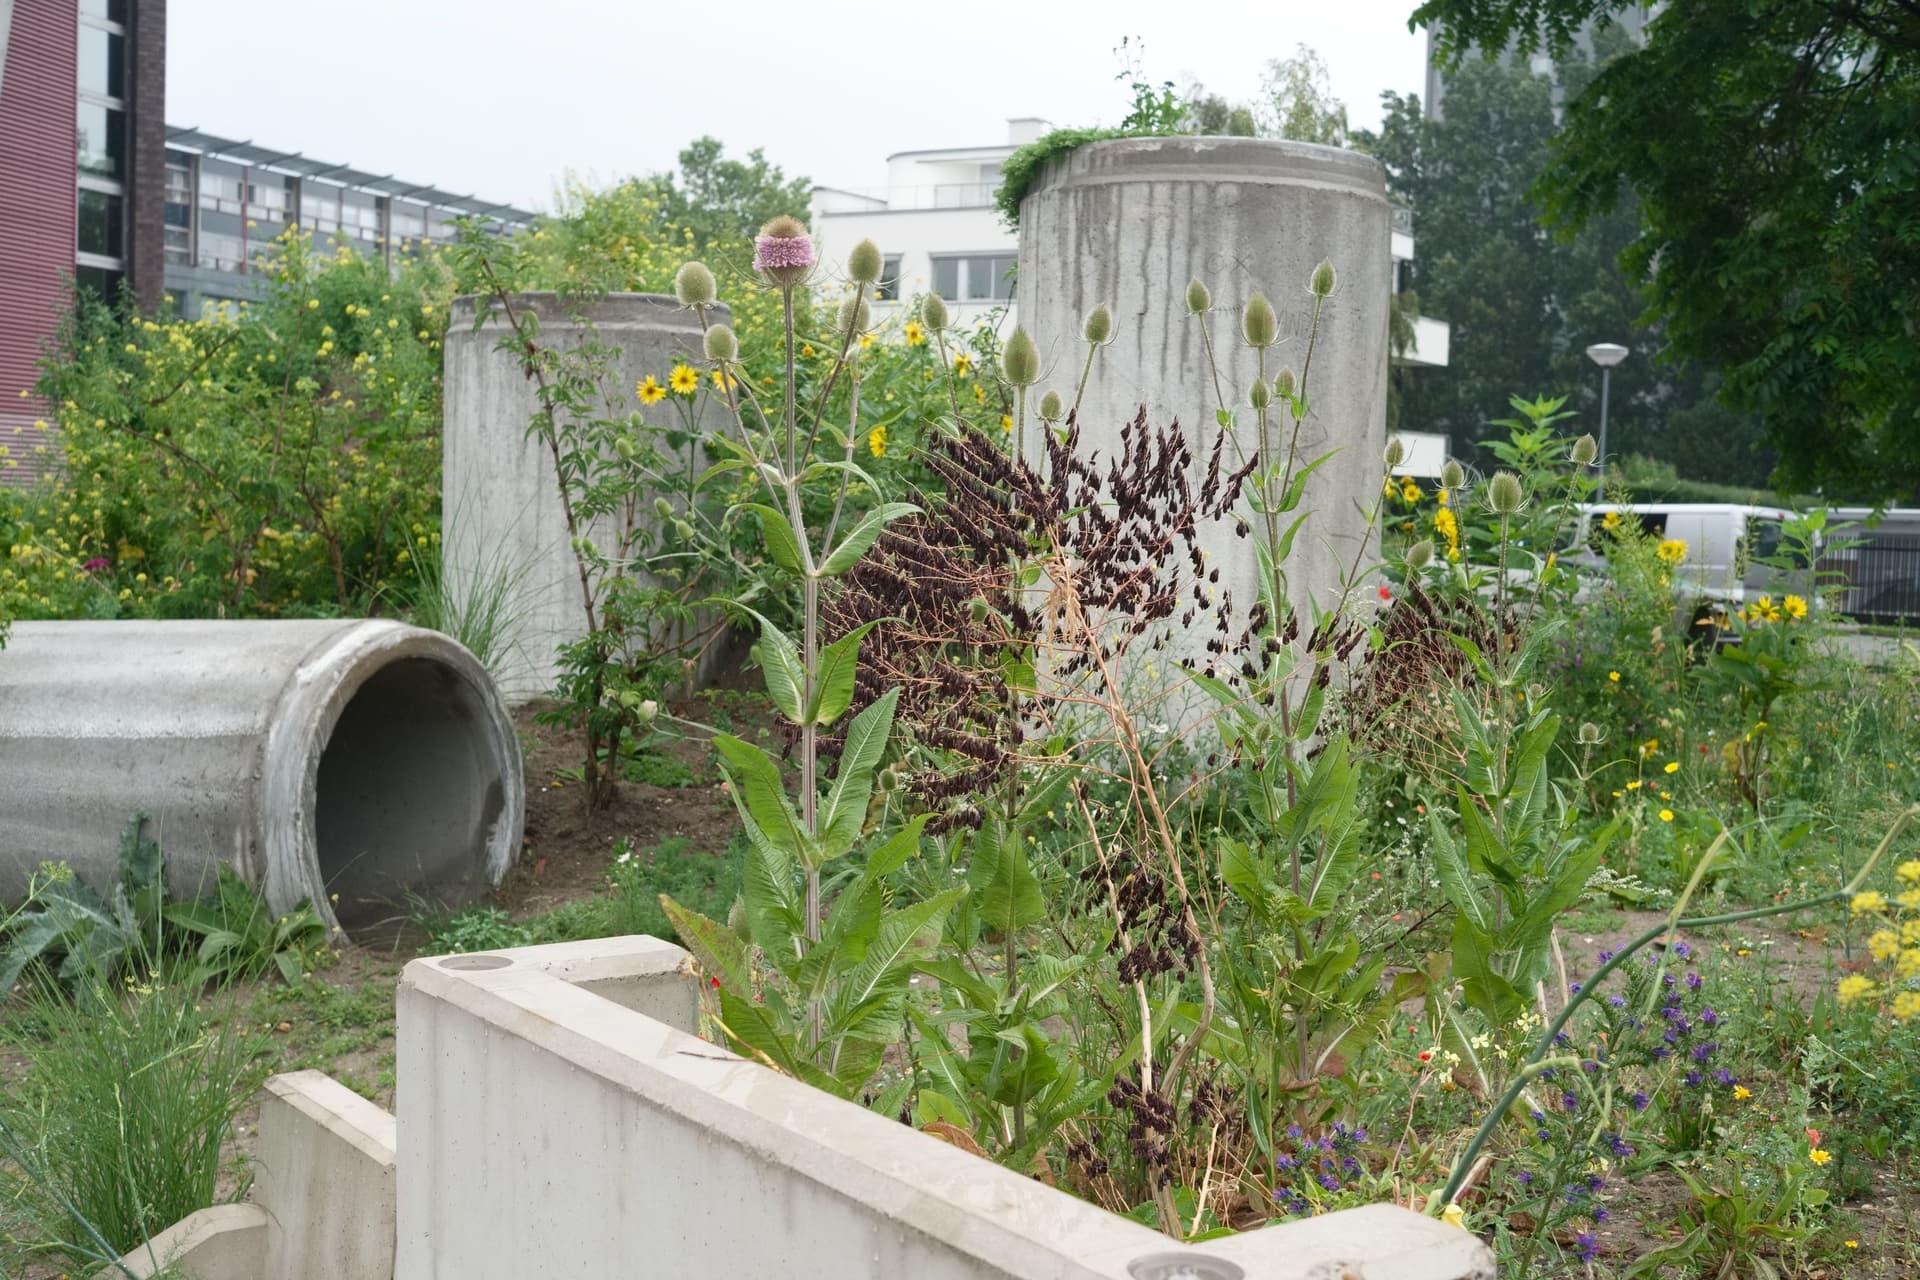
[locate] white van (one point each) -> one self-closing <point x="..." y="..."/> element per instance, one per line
<point x="1722" y="570"/>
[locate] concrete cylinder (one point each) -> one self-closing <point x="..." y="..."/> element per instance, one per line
<point x="1127" y="223"/>
<point x="502" y="522"/>
<point x="366" y="759"/>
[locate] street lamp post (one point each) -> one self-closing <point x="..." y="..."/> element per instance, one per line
<point x="1606" y="355"/>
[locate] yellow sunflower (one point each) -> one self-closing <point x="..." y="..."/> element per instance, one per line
<point x="651" y="392"/>
<point x="683" y="380"/>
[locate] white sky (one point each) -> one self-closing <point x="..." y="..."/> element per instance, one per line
<point x="500" y="99"/>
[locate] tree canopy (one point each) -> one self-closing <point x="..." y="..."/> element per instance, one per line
<point x="722" y="200"/>
<point x="1770" y="153"/>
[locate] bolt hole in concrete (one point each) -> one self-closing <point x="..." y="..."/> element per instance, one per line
<point x="473" y="963"/>
<point x="406" y="793"/>
<point x="1183" y="1266"/>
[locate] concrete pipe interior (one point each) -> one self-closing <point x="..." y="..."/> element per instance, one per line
<point x="408" y="788"/>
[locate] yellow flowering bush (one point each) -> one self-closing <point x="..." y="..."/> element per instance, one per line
<point x="1893" y="946"/>
<point x="266" y="459"/>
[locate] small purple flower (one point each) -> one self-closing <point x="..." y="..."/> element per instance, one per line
<point x="1284" y="1161"/>
<point x="1666" y="979"/>
<point x="1605" y="956"/>
<point x="1703" y="1052"/>
<point x="1570" y="1101"/>
<point x="1526" y="1179"/>
<point x="95" y="565"/>
<point x="1682" y="950"/>
<point x="1708" y="1018"/>
<point x="1639" y="1101"/>
<point x="1693" y="981"/>
<point x="1360" y="1134"/>
<point x="1585" y="1245"/>
<point x="1692" y="1079"/>
<point x="1293" y="1131"/>
<point x="1574" y="987"/>
<point x="1330" y="1182"/>
<point x="1618" y="1002"/>
<point x="1725" y="1077"/>
<point x="1621" y="1147"/>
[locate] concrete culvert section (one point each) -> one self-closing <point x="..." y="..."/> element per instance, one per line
<point x="365" y="759"/>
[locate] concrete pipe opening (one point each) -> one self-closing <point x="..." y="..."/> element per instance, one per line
<point x="366" y="766"/>
<point x="407" y="788"/>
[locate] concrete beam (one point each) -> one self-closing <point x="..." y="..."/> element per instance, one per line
<point x="325" y="1181"/>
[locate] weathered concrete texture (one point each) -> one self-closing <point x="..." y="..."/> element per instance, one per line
<point x="325" y="1179"/>
<point x="653" y="1150"/>
<point x="366" y="759"/>
<point x="502" y="516"/>
<point x="225" y="1242"/>
<point x="1127" y="223"/>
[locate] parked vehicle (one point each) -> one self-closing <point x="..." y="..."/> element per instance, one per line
<point x="1723" y="568"/>
<point x="1877" y="563"/>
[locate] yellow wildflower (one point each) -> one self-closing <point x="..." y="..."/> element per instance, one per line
<point x="963" y="364"/>
<point x="1819" y="1156"/>
<point x="1908" y="872"/>
<point x="916" y="336"/>
<point x="1741" y="1093"/>
<point x="806" y="350"/>
<point x="1673" y="766"/>
<point x="1611" y="520"/>
<point x="651" y="392"/>
<point x="683" y="380"/>
<point x="1666" y="815"/>
<point x="1614" y="676"/>
<point x="1906" y="1005"/>
<point x="1868" y="901"/>
<point x="1795" y="607"/>
<point x="1883" y="944"/>
<point x="877" y="442"/>
<point x="1410" y="492"/>
<point x="1907" y="967"/>
<point x="1854" y="987"/>
<point x="1648" y="747"/>
<point x="1454" y="1216"/>
<point x="1671" y="550"/>
<point x="1006" y="423"/>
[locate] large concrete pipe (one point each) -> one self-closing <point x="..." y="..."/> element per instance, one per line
<point x="1127" y="223"/>
<point x="503" y="528"/>
<point x="371" y="760"/>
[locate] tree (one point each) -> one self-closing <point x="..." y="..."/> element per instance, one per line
<point x="1522" y="304"/>
<point x="726" y="201"/>
<point x="1767" y="149"/>
<point x="1297" y="101"/>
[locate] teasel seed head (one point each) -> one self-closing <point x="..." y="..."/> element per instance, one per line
<point x="1258" y="324"/>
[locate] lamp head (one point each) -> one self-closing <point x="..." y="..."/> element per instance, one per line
<point x="1606" y="354"/>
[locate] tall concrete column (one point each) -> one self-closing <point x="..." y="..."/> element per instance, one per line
<point x="502" y="520"/>
<point x="1127" y="223"/>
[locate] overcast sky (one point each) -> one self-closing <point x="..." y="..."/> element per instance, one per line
<point x="502" y="99"/>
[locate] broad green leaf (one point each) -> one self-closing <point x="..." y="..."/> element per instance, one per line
<point x="777" y="532"/>
<point x="760" y="798"/>
<point x="903" y="935"/>
<point x="752" y="1026"/>
<point x="717" y="948"/>
<point x="1485" y="990"/>
<point x="1004" y="890"/>
<point x="833" y="690"/>
<point x="862" y="536"/>
<point x="1298" y="485"/>
<point x="1456" y="878"/>
<point x="845" y="810"/>
<point x="774" y="907"/>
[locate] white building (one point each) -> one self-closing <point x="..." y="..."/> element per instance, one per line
<point x="936" y="224"/>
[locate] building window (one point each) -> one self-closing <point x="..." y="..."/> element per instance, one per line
<point x="179" y="246"/>
<point x="109" y="10"/>
<point x="101" y="140"/>
<point x="267" y="201"/>
<point x="101" y="281"/>
<point x="100" y="224"/>
<point x="219" y="191"/>
<point x="103" y="68"/>
<point x="221" y="252"/>
<point x="179" y="184"/>
<point x="888" y="289"/>
<point x="978" y="277"/>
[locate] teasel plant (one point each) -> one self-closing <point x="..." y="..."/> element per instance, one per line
<point x="837" y="993"/>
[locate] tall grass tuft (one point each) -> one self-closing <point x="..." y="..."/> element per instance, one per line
<point x="114" y="1129"/>
<point x="482" y="605"/>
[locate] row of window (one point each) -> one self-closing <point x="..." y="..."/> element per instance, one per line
<point x="969" y="277"/>
<point x="100" y="143"/>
